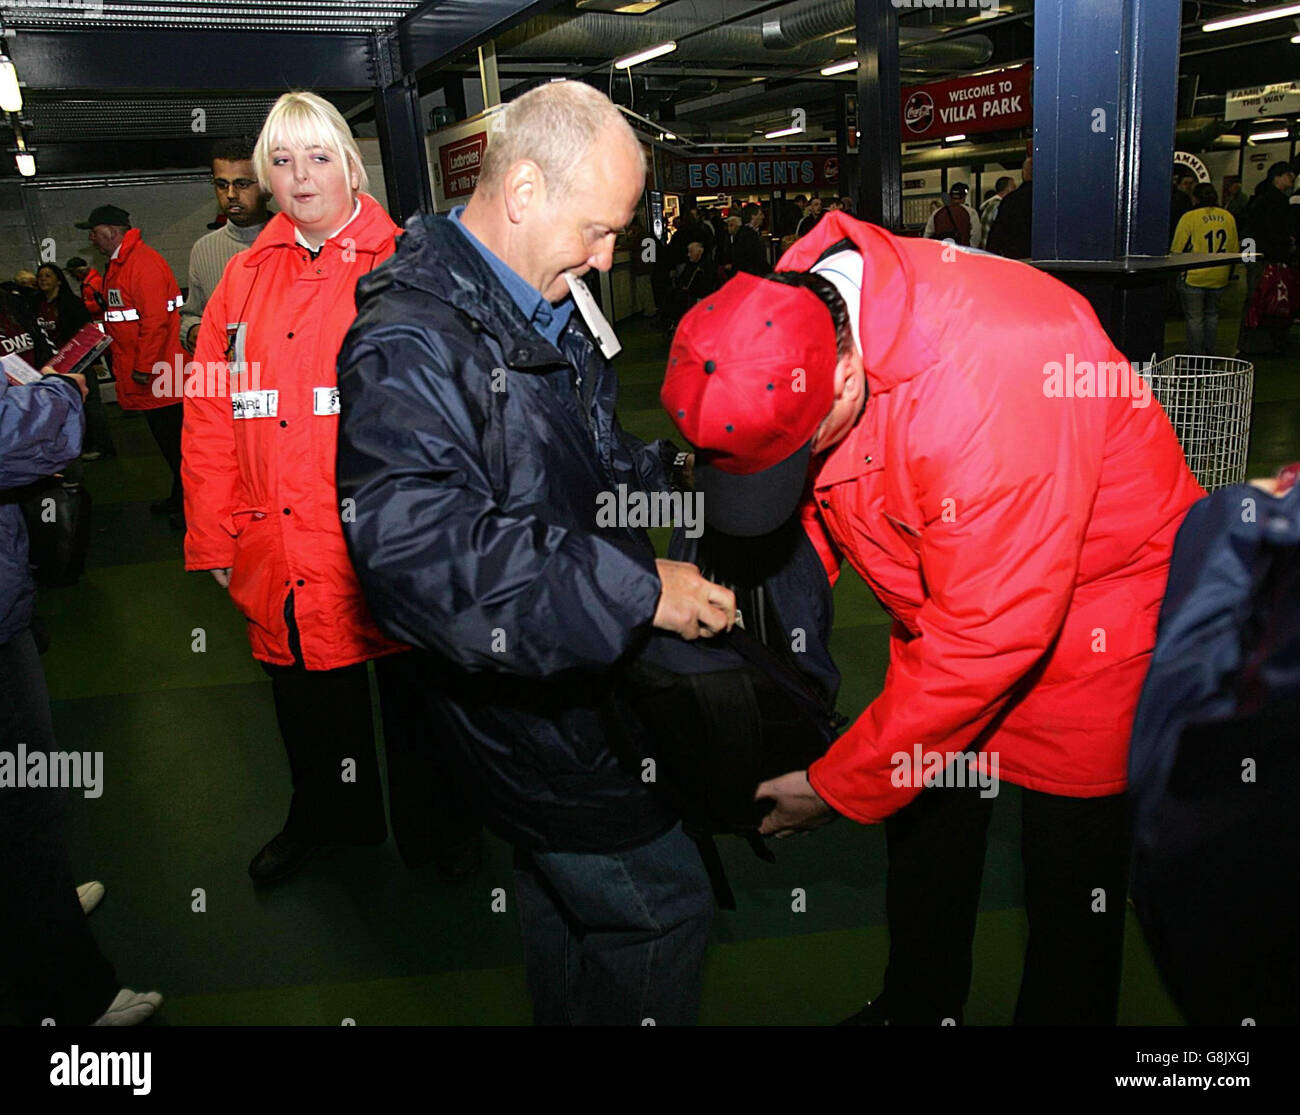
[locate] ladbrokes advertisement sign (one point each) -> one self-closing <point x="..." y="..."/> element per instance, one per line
<point x="456" y="157"/>
<point x="967" y="105"/>
<point x="460" y="162"/>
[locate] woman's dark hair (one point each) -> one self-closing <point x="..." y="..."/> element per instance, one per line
<point x="833" y="300"/>
<point x="1205" y="194"/>
<point x="72" y="310"/>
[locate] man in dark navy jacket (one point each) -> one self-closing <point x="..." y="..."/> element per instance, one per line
<point x="478" y="436"/>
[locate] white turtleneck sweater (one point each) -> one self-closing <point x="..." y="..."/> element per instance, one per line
<point x="208" y="259"/>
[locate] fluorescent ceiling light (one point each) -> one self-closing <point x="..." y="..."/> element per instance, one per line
<point x="1252" y="17"/>
<point x="1259" y="137"/>
<point x="840" y="67"/>
<point x="630" y="60"/>
<point x="782" y="132"/>
<point x="954" y="139"/>
<point x="26" y="164"/>
<point x="11" y="97"/>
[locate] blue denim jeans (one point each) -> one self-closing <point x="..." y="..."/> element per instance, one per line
<point x="1201" y="309"/>
<point x="616" y="939"/>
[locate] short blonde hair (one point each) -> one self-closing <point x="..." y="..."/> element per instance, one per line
<point x="554" y="125"/>
<point x="305" y="120"/>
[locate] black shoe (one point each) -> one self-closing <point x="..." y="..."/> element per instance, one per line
<point x="282" y="857"/>
<point x="168" y="506"/>
<point x="459" y="862"/>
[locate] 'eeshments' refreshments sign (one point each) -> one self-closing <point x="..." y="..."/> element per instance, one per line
<point x="759" y="173"/>
<point x="966" y="105"/>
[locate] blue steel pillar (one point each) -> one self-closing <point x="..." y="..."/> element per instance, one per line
<point x="1105" y="106"/>
<point x="880" y="176"/>
<point x="401" y="133"/>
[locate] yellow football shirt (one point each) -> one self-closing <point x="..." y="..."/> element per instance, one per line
<point x="1206" y="229"/>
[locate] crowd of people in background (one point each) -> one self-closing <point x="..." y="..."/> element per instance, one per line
<point x="706" y="246"/>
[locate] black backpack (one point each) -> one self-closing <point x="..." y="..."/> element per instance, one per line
<point x="59" y="514"/>
<point x="718" y="716"/>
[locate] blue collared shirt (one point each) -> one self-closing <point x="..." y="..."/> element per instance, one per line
<point x="548" y="320"/>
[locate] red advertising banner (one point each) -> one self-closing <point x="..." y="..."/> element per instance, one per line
<point x="965" y="105"/>
<point x="460" y="162"/>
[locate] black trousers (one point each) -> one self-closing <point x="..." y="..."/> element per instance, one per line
<point x="165" y="425"/>
<point x="325" y="720"/>
<point x="1076" y="857"/>
<point x="99" y="438"/>
<point x="49" y="954"/>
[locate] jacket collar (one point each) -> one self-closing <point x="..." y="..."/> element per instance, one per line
<point x="850" y="458"/>
<point x="892" y="351"/>
<point x="371" y="231"/>
<point x="435" y="257"/>
<point x="130" y="239"/>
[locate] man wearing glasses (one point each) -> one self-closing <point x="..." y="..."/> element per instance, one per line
<point x="243" y="205"/>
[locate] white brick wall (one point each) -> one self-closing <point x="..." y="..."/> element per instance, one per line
<point x="171" y="217"/>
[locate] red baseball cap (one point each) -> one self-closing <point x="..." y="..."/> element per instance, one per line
<point x="751" y="375"/>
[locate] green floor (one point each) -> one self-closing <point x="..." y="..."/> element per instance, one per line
<point x="196" y="780"/>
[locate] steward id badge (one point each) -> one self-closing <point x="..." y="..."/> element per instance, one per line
<point x="325" y="400"/>
<point x="254" y="404"/>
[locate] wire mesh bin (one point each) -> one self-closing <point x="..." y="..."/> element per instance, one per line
<point x="1207" y="399"/>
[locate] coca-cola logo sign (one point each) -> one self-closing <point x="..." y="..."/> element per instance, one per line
<point x="918" y="112"/>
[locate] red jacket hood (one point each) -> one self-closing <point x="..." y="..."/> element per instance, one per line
<point x="132" y="237"/>
<point x="891" y="352"/>
<point x="372" y="231"/>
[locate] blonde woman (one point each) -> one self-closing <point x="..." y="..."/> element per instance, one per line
<point x="264" y="516"/>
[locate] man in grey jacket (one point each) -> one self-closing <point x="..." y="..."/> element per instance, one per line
<point x="243" y="203"/>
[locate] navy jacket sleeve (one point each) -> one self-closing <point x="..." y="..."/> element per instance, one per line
<point x="443" y="565"/>
<point x="652" y="461"/>
<point x="41" y="425"/>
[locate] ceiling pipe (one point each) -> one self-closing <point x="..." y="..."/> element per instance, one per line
<point x="602" y="35"/>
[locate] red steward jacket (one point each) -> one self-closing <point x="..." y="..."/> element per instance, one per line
<point x="1021" y="540"/>
<point x="143" y="316"/>
<point x="91" y="286"/>
<point x="259" y="488"/>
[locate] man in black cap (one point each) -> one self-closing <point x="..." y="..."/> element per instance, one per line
<point x="955" y="221"/>
<point x="142" y="314"/>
